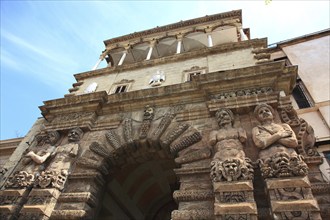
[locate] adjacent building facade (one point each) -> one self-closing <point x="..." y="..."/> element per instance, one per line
<point x="191" y="120"/>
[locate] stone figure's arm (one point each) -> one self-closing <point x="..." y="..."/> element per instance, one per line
<point x="290" y="141"/>
<point x="213" y="138"/>
<point x="263" y="141"/>
<point x="36" y="158"/>
<point x="45" y="154"/>
<point x="242" y="135"/>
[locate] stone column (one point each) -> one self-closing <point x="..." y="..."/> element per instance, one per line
<point x="152" y="44"/>
<point x="122" y="58"/>
<point x="208" y="31"/>
<point x="243" y="35"/>
<point x="179" y="40"/>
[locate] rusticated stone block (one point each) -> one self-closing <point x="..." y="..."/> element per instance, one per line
<point x="295" y="205"/>
<point x="10" y="202"/>
<point x="233" y="186"/>
<point x="40" y="202"/>
<point x="288" y="182"/>
<point x="238" y="208"/>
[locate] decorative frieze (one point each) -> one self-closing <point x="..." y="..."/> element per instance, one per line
<point x="243" y="92"/>
<point x="193" y="195"/>
<point x="192" y="214"/>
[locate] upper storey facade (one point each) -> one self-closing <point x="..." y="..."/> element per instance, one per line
<point x="172" y="54"/>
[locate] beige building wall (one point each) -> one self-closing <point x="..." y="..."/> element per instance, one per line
<point x="7" y="147"/>
<point x="313" y="59"/>
<point x="174" y="72"/>
<point x="320" y="127"/>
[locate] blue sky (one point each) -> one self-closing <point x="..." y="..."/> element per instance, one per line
<point x="43" y="43"/>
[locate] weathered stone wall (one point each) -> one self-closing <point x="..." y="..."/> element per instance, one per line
<point x="174" y="72"/>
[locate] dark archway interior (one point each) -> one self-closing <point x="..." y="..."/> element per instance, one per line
<point x="140" y="191"/>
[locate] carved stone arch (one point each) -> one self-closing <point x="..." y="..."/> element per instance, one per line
<point x="140" y="50"/>
<point x="168" y="144"/>
<point x="166" y="45"/>
<point x="222" y="26"/>
<point x="194" y="40"/>
<point x="224" y="34"/>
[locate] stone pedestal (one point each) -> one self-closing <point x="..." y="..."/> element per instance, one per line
<point x="195" y="197"/>
<point x="11" y="201"/>
<point x="234" y="200"/>
<point x="40" y="204"/>
<point x="292" y="198"/>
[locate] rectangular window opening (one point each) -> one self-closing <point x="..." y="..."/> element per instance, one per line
<point x="300" y="95"/>
<point x="121" y="89"/>
<point x="193" y="74"/>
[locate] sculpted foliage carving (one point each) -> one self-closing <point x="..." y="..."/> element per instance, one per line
<point x="283" y="164"/>
<point x="20" y="179"/>
<point x="232" y="169"/>
<point x="243" y="92"/>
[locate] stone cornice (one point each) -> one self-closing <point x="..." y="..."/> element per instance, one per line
<point x="181" y="24"/>
<point x="273" y="75"/>
<point x="90" y="102"/>
<point x="255" y="43"/>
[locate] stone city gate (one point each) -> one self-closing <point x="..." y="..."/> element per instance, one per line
<point x="220" y="173"/>
<point x="222" y="155"/>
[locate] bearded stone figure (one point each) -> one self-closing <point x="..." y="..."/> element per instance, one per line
<point x="56" y="172"/>
<point x="28" y="169"/>
<point x="277" y="143"/>
<point x="229" y="162"/>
